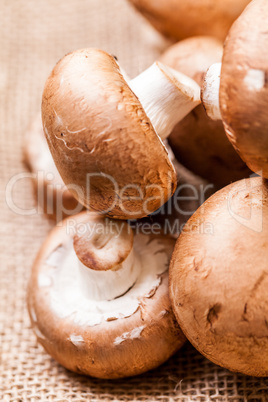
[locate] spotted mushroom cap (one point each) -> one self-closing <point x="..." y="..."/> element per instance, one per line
<point x="219" y="278"/>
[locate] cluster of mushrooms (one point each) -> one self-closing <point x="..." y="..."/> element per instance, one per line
<point x="110" y="302"/>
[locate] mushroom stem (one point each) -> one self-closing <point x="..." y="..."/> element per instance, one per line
<point x="166" y="95"/>
<point x="211" y="90"/>
<point x="110" y="284"/>
<point x="107" y="262"/>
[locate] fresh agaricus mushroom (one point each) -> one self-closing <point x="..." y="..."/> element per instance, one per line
<point x="241" y="96"/>
<point x="219" y="278"/>
<point x="54" y="199"/>
<point x="98" y="298"/>
<point x="105" y="134"/>
<point x="181" y="19"/>
<point x="199" y="143"/>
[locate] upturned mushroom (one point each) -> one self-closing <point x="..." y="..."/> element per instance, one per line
<point x="219" y="278"/>
<point x="199" y="143"/>
<point x="105" y="134"/>
<point x="98" y="298"/>
<point x="237" y="90"/>
<point x="181" y="19"/>
<point x="54" y="199"/>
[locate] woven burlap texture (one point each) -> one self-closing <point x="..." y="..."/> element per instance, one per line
<point x="34" y="34"/>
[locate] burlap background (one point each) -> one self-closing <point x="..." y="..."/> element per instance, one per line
<point x="34" y="34"/>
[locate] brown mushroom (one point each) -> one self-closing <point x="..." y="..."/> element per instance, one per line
<point x="105" y="134"/>
<point x="241" y="97"/>
<point x="199" y="143"/>
<point x="54" y="199"/>
<point x="98" y="298"/>
<point x="181" y="19"/>
<point x="219" y="278"/>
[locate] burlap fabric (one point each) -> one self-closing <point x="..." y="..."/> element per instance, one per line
<point x="34" y="34"/>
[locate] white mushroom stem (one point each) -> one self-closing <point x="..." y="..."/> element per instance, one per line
<point x="166" y="95"/>
<point x="211" y="91"/>
<point x="73" y="286"/>
<point x="110" y="284"/>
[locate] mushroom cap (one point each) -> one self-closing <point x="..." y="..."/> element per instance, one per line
<point x="199" y="143"/>
<point x="94" y="246"/>
<point x="244" y="86"/>
<point x="54" y="198"/>
<point x="182" y="19"/>
<point x="118" y="346"/>
<point x="193" y="56"/>
<point x="219" y="278"/>
<point x="102" y="140"/>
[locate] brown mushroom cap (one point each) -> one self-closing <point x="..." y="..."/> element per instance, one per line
<point x="199" y="143"/>
<point x="219" y="278"/>
<point x="193" y="56"/>
<point x="185" y="18"/>
<point x="244" y="86"/>
<point x="95" y="125"/>
<point x="115" y="347"/>
<point x="53" y="197"/>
